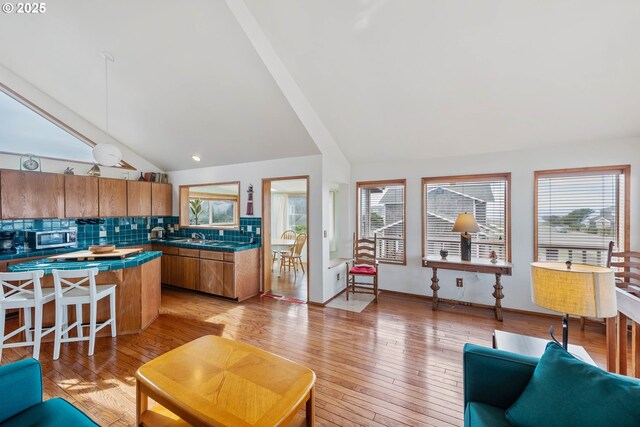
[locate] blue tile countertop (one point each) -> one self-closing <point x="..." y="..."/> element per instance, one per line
<point x="103" y="265"/>
<point x="211" y="245"/>
<point x="21" y="253"/>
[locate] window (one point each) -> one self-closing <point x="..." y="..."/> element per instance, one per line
<point x="212" y="212"/>
<point x="579" y="211"/>
<point x="210" y="205"/>
<point x="485" y="196"/>
<point x="26" y="128"/>
<point x="381" y="212"/>
<point x="297" y="205"/>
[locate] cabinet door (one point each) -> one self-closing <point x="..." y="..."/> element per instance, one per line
<point x="161" y="199"/>
<point x="113" y="197"/>
<point x="80" y="196"/>
<point x="188" y="272"/>
<point x="169" y="269"/>
<point x="211" y="276"/>
<point x="138" y="198"/>
<point x="229" y="284"/>
<point x="31" y="195"/>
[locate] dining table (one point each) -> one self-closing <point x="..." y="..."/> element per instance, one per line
<point x="278" y="245"/>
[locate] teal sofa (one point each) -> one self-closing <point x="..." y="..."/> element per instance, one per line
<point x="493" y="381"/>
<point x="21" y="402"/>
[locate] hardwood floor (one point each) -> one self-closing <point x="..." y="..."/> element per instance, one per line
<point x="290" y="285"/>
<point x="396" y="363"/>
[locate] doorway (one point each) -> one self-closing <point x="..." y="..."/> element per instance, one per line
<point x="285" y="225"/>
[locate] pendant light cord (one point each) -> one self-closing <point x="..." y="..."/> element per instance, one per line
<point x="107" y="57"/>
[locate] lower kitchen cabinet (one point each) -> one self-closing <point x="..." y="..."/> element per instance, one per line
<point x="233" y="275"/>
<point x="212" y="276"/>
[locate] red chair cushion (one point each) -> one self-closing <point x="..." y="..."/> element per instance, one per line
<point x="363" y="269"/>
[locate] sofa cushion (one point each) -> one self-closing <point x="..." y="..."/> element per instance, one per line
<point x="483" y="415"/>
<point x="53" y="412"/>
<point x="565" y="391"/>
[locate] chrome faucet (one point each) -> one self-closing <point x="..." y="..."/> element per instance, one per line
<point x="200" y="236"/>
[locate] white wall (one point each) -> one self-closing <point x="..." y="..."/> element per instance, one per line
<point x="336" y="173"/>
<point x="253" y="173"/>
<point x="74" y="121"/>
<point x="415" y="279"/>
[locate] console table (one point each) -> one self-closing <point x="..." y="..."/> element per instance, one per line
<point x="476" y="265"/>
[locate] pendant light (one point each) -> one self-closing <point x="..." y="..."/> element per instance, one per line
<point x="105" y="154"/>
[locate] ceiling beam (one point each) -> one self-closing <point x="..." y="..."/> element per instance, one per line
<point x="285" y="81"/>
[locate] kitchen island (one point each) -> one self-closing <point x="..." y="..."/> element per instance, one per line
<point x="137" y="280"/>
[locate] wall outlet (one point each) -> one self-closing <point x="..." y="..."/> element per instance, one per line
<point x="103" y="233"/>
<point x="160" y="220"/>
<point x="459" y="283"/>
<point x="134" y="226"/>
<point x="249" y="228"/>
<point x="337" y="277"/>
<point x="257" y="230"/>
<point x="116" y="229"/>
<point x="222" y="232"/>
<point x="325" y="234"/>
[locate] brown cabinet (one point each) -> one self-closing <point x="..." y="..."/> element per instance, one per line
<point x="113" y="197"/>
<point x="31" y="195"/>
<point x="138" y="198"/>
<point x="227" y="274"/>
<point x="80" y="196"/>
<point x="211" y="276"/>
<point x="161" y="199"/>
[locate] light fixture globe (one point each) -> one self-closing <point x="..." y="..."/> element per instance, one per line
<point x="107" y="154"/>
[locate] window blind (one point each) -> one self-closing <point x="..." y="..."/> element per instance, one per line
<point x="578" y="214"/>
<point x="381" y="213"/>
<point x="485" y="198"/>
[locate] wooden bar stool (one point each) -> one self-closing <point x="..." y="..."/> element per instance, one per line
<point x="73" y="293"/>
<point x="24" y="291"/>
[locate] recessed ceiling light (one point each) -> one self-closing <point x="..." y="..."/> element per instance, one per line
<point x="196" y="158"/>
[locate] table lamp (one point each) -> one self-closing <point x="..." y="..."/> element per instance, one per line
<point x="465" y="223"/>
<point x="577" y="289"/>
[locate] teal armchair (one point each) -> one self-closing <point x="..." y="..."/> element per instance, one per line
<point x="21" y="403"/>
<point x="493" y="381"/>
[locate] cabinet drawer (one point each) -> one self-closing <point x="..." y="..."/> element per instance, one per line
<point x="229" y="256"/>
<point x="166" y="250"/>
<point x="218" y="256"/>
<point x="194" y="253"/>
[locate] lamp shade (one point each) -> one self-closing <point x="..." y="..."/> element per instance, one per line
<point x="465" y="223"/>
<point x="107" y="154"/>
<point x="582" y="290"/>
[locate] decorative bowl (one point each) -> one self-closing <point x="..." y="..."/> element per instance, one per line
<point x="444" y="253"/>
<point x="101" y="249"/>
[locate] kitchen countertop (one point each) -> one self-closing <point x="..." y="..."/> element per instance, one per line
<point x="21" y="253"/>
<point x="211" y="245"/>
<point x="102" y="265"/>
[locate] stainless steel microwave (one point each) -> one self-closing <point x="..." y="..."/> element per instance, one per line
<point x="50" y="239"/>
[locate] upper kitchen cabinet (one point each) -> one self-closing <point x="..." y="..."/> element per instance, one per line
<point x="138" y="198"/>
<point x="80" y="196"/>
<point x="113" y="197"/>
<point x="31" y="194"/>
<point x="161" y="199"/>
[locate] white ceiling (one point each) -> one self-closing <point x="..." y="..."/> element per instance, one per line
<point x="389" y="79"/>
<point x="430" y="78"/>
<point x="185" y="78"/>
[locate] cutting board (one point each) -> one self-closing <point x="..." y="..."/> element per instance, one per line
<point x="89" y="256"/>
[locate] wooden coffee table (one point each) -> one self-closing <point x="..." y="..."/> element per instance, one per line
<point x="214" y="381"/>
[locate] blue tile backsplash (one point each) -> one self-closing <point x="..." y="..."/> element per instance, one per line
<point x="134" y="230"/>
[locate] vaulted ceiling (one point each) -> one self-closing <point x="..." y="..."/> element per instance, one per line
<point x="389" y="79"/>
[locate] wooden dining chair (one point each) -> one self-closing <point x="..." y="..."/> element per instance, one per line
<point x="626" y="266"/>
<point x="286" y="235"/>
<point x="295" y="255"/>
<point x="364" y="263"/>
